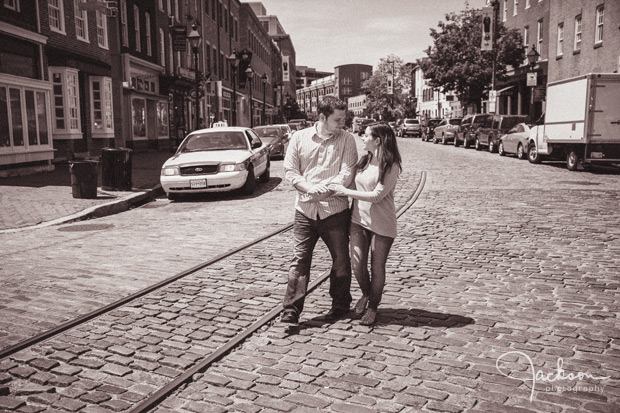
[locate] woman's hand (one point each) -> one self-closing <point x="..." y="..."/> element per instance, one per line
<point x="338" y="189"/>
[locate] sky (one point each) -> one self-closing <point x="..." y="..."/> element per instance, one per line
<point x="329" y="33"/>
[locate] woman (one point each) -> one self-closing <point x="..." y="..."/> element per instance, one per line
<point x="373" y="219"/>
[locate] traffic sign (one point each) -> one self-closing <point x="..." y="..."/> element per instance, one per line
<point x="492" y="95"/>
<point x="192" y="93"/>
<point x="532" y="79"/>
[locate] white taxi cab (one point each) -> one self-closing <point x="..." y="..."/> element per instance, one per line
<point x="217" y="159"/>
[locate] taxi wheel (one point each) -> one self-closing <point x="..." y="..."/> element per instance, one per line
<point x="173" y="196"/>
<point x="264" y="178"/>
<point x="250" y="183"/>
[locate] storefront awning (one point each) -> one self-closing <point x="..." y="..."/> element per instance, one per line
<point x="505" y="91"/>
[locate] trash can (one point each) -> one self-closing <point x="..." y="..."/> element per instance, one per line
<point x="116" y="169"/>
<point x="84" y="179"/>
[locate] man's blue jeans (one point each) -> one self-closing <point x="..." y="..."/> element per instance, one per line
<point x="334" y="232"/>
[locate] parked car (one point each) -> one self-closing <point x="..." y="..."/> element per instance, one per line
<point x="411" y="127"/>
<point x="363" y="125"/>
<point x="516" y="141"/>
<point x="215" y="160"/>
<point x="446" y="130"/>
<point x="493" y="128"/>
<point x="428" y="128"/>
<point x="466" y="134"/>
<point x="356" y="124"/>
<point x="275" y="136"/>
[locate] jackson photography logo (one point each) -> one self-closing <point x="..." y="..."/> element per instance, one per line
<point x="553" y="379"/>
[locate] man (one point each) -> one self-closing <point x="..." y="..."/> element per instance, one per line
<point x="317" y="156"/>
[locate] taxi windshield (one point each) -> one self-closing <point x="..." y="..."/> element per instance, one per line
<point x="214" y="141"/>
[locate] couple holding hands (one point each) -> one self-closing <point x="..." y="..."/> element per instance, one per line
<point x="322" y="164"/>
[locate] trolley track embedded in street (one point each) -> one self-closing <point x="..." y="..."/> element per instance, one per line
<point x="158" y="396"/>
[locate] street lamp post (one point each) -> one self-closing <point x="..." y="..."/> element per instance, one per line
<point x="275" y="101"/>
<point x="263" y="79"/>
<point x="234" y="63"/>
<point x="532" y="77"/>
<point x="194" y="40"/>
<point x="390" y="83"/>
<point x="250" y="74"/>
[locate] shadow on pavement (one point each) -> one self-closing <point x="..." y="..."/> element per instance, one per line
<point x="398" y="316"/>
<point x="261" y="188"/>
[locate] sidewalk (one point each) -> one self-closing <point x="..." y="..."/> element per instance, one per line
<point x="46" y="198"/>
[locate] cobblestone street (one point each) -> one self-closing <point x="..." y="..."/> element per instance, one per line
<point x="502" y="271"/>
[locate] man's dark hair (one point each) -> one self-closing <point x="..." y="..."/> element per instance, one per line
<point x="328" y="104"/>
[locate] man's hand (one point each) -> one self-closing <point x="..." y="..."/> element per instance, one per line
<point x="318" y="189"/>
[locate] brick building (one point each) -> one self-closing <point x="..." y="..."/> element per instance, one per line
<point x="26" y="142"/>
<point x="572" y="37"/>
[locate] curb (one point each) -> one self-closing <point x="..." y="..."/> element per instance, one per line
<point x="99" y="211"/>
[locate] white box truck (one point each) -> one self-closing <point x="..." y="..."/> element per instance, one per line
<point x="581" y="122"/>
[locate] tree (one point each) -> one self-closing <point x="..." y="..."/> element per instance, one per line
<point x="456" y="63"/>
<point x="379" y="102"/>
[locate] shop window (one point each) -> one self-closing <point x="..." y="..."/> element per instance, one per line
<point x="162" y="119"/>
<point x="56" y="14"/>
<point x="66" y="103"/>
<point x="138" y="117"/>
<point x="81" y="22"/>
<point x="102" y="116"/>
<point x="19" y="128"/>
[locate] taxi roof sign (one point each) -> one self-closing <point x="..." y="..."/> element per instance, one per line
<point x="220" y="124"/>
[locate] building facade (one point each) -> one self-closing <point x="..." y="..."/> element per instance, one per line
<point x="357" y="104"/>
<point x="305" y="75"/>
<point x="80" y="75"/>
<point x="571" y="37"/>
<point x="430" y="102"/>
<point x="26" y="142"/>
<point x="345" y="83"/>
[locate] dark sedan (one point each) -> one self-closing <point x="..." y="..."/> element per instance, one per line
<point x="274" y="136"/>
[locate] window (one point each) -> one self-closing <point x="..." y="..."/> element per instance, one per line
<point x="102" y="30"/>
<point x="124" y="31"/>
<point x="560" y="46"/>
<point x="102" y="119"/>
<point x="162" y="47"/>
<point x="527" y="4"/>
<point x="81" y="22"/>
<point x="19" y="129"/>
<point x="138" y="117"/>
<point x="66" y="103"/>
<point x="11" y="5"/>
<point x="161" y="5"/>
<point x="147" y="24"/>
<point x="136" y="25"/>
<point x="600" y="12"/>
<point x="526" y="36"/>
<point x="505" y="11"/>
<point x="56" y="15"/>
<point x="515" y="5"/>
<point x="539" y="37"/>
<point x="162" y="118"/>
<point x="577" y="43"/>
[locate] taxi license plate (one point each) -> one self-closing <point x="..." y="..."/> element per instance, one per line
<point x="198" y="183"/>
<point x="596" y="155"/>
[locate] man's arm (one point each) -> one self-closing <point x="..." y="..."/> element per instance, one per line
<point x="292" y="171"/>
<point x="349" y="160"/>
